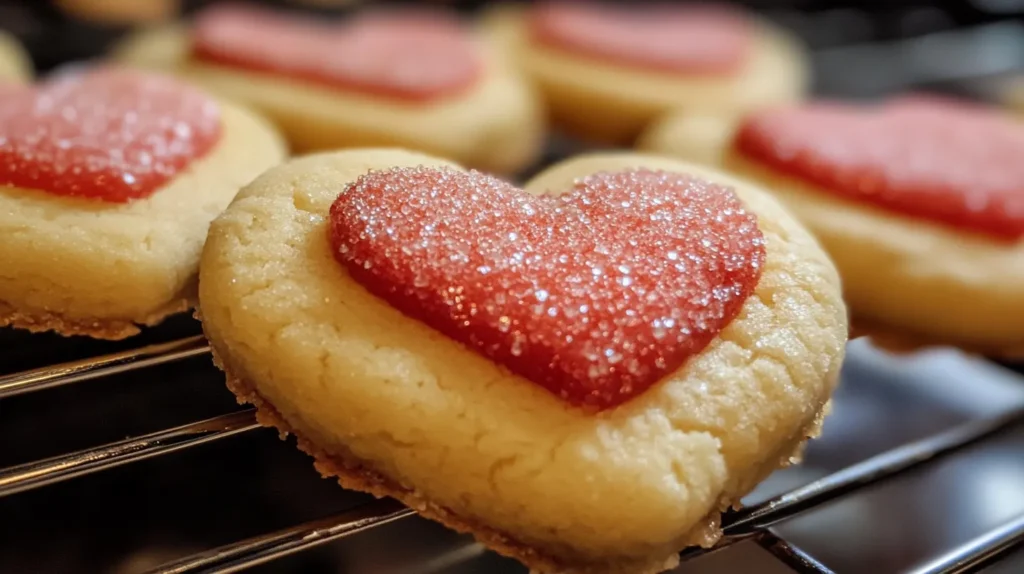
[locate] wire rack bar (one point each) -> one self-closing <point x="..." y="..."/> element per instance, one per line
<point x="102" y="366"/>
<point x="445" y="561"/>
<point x="753" y="520"/>
<point x="261" y="549"/>
<point x="739" y="525"/>
<point x="756" y="518"/>
<point x="790" y="555"/>
<point x="977" y="553"/>
<point x="41" y="473"/>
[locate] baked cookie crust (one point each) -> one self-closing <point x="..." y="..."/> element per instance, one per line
<point x="111" y="330"/>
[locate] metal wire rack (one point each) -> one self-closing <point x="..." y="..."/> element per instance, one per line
<point x="750" y="523"/>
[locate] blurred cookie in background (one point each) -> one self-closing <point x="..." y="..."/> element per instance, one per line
<point x="15" y="65"/>
<point x="698" y="137"/>
<point x="413" y="78"/>
<point x="606" y="71"/>
<point x="1012" y="94"/>
<point x="159" y="47"/>
<point x="109" y="179"/>
<point x="917" y="199"/>
<point x="120" y="12"/>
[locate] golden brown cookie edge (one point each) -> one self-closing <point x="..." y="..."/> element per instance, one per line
<point x="904" y="342"/>
<point x="104" y="329"/>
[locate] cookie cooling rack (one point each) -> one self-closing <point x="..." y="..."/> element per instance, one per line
<point x="920" y="468"/>
<point x="755" y="522"/>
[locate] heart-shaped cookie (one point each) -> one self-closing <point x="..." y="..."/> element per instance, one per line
<point x="107" y="134"/>
<point x="681" y="39"/>
<point x="414" y="56"/>
<point x="393" y="406"/>
<point x="594" y="294"/>
<point x="950" y="163"/>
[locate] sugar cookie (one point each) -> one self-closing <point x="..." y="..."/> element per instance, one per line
<point x="919" y="201"/>
<point x="583" y="382"/>
<point x="108" y="182"/>
<point x="407" y="78"/>
<point x="607" y="72"/>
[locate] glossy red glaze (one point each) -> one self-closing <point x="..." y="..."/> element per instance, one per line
<point x="675" y="39"/>
<point x="948" y="162"/>
<point x="415" y="56"/>
<point x="595" y="295"/>
<point x="108" y="134"/>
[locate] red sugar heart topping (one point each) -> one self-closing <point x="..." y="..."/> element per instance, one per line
<point x="939" y="160"/>
<point x="414" y="56"/>
<point x="112" y="135"/>
<point x="595" y="294"/>
<point x="680" y="39"/>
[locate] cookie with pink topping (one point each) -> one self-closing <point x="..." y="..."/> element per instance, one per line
<point x="108" y="182"/>
<point x="919" y="201"/>
<point x="583" y="373"/>
<point x="607" y="71"/>
<point x="415" y="79"/>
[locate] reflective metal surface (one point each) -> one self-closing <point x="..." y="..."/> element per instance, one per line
<point x="48" y="471"/>
<point x="985" y="549"/>
<point x="248" y="553"/>
<point x="102" y="366"/>
<point x="886" y="401"/>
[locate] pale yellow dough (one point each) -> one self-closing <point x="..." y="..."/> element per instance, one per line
<point x="700" y="138"/>
<point x="90" y="267"/>
<point x="903" y="277"/>
<point x="497" y="125"/>
<point x="161" y="48"/>
<point x="396" y="408"/>
<point x="15" y="65"/>
<point x="611" y="103"/>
